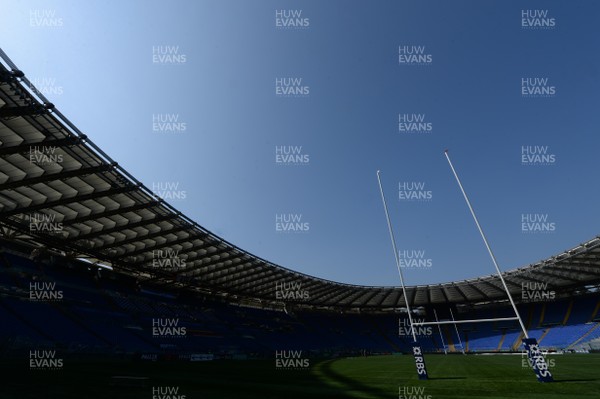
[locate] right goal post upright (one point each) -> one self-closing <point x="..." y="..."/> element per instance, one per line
<point x="534" y="353"/>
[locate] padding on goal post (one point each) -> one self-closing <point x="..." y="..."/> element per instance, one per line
<point x="537" y="361"/>
<point x="420" y="361"/>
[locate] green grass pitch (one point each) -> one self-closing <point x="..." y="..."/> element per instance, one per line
<point x="452" y="376"/>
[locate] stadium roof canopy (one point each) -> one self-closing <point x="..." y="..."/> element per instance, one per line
<point x="59" y="190"/>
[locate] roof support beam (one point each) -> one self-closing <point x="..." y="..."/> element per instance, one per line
<point x="257" y="276"/>
<point x="222" y="256"/>
<point x="201" y="257"/>
<point x="483" y="294"/>
<point x="373" y="295"/>
<point x="248" y="267"/>
<point x="127" y="226"/>
<point x="187" y="260"/>
<point x="113" y="212"/>
<point x="155" y="247"/>
<point x="141" y="238"/>
<point x="384" y="297"/>
<point x="64" y="201"/>
<point x="45" y="178"/>
<point x="25" y="147"/>
<point x="466" y="299"/>
<point x="414" y="297"/>
<point x="32" y="109"/>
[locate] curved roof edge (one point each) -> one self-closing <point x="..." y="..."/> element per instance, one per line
<point x="62" y="191"/>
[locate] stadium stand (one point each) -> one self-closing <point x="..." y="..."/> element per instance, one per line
<point x="101" y="311"/>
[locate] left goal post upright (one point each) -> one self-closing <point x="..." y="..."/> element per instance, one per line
<point x="417" y="350"/>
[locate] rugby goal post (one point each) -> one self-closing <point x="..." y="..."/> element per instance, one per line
<point x="537" y="360"/>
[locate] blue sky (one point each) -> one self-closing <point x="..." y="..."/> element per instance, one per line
<point x="98" y="69"/>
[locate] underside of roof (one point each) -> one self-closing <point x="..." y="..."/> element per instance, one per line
<point x="60" y="191"/>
